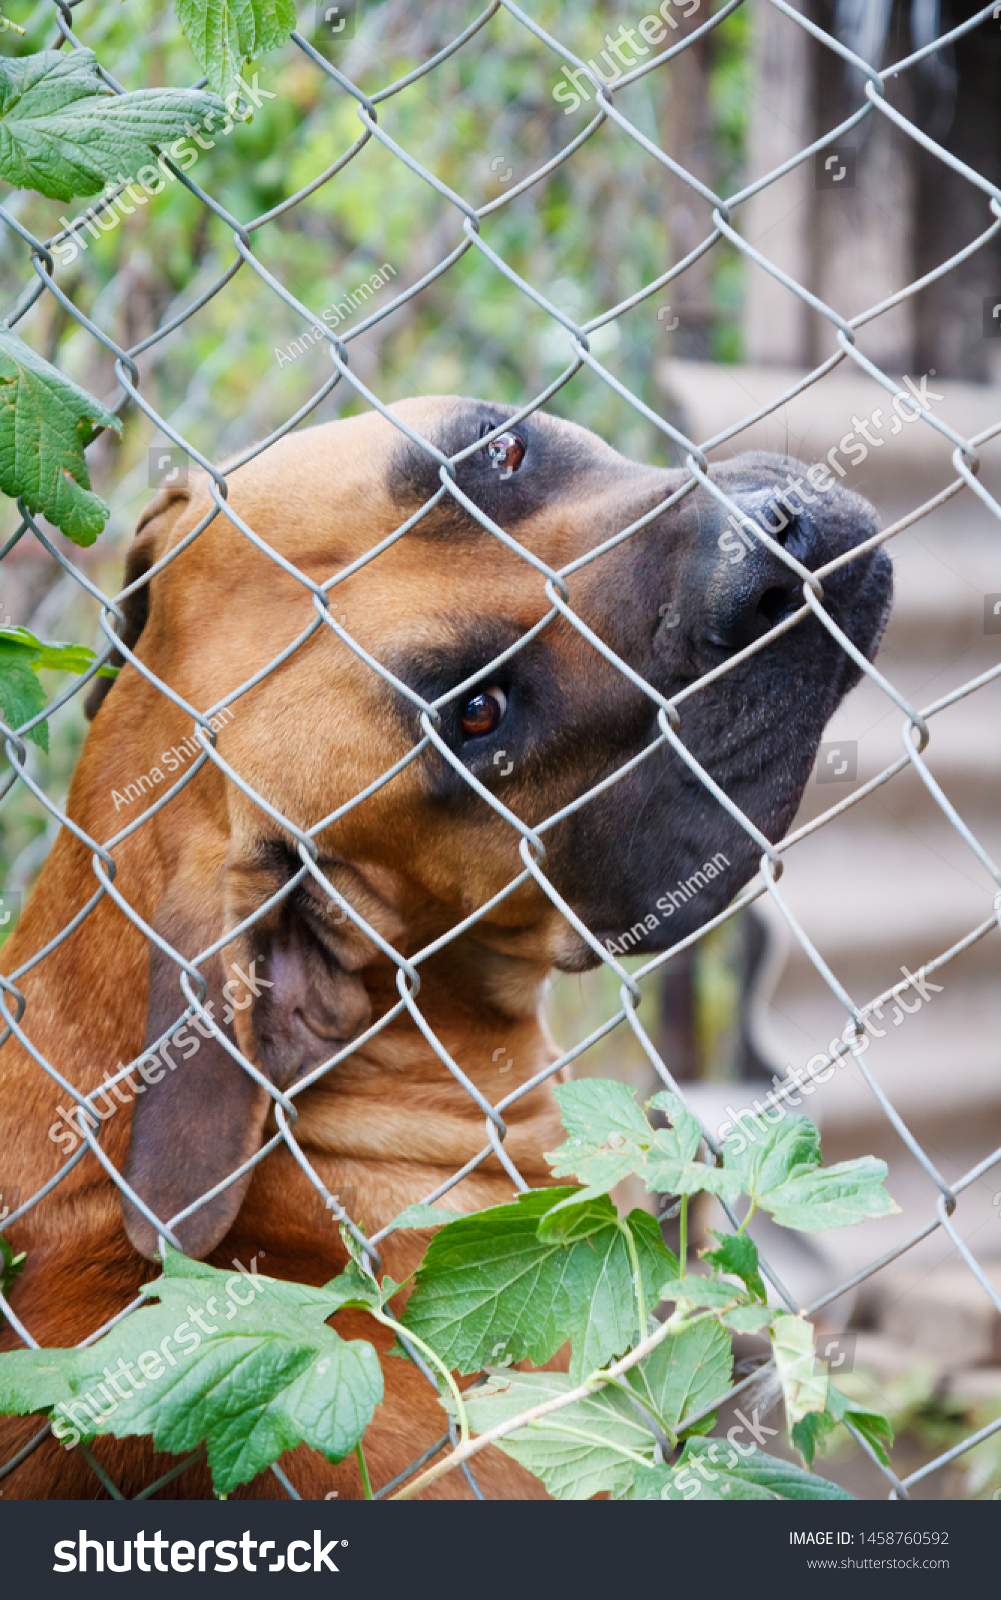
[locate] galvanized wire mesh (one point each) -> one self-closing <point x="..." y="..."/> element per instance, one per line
<point x="471" y="234"/>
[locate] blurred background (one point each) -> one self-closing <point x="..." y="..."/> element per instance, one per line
<point x="888" y="885"/>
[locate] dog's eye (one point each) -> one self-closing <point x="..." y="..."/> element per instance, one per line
<point x="506" y="453"/>
<point x="482" y="713"/>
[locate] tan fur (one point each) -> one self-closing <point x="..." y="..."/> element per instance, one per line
<point x="391" y="1122"/>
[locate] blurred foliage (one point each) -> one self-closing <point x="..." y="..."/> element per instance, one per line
<point x="931" y="1414"/>
<point x="589" y="235"/>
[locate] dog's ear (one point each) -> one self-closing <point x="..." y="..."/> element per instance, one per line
<point x="152" y="531"/>
<point x="284" y="997"/>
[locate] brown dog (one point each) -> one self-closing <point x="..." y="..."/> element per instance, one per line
<point x="390" y="1122"/>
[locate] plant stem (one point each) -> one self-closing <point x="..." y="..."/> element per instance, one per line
<point x="634" y="1262"/>
<point x="750" y="1214"/>
<point x="583" y="1390"/>
<point x="436" y="1362"/>
<point x="366" y="1482"/>
<point x="683" y="1235"/>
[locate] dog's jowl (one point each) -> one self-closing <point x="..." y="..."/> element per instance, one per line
<point x="304" y="979"/>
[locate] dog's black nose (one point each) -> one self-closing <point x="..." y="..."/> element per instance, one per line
<point x="751" y="588"/>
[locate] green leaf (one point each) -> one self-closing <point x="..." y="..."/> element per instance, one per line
<point x="608" y="1133"/>
<point x="65" y="133"/>
<point x="576" y="1452"/>
<point x="11" y="1266"/>
<point x="684" y="1373"/>
<point x="695" y="1291"/>
<point x="46" y="423"/>
<point x="774" y="1153"/>
<point x="249" y="1379"/>
<point x="712" y="1469"/>
<point x="610" y="1139"/>
<point x="750" y="1319"/>
<point x="357" y="1288"/>
<point x="833" y="1197"/>
<point x="803" y="1377"/>
<point x="876" y="1429"/>
<point x="809" y="1433"/>
<point x="21" y="695"/>
<point x="422" y="1216"/>
<point x="52" y="656"/>
<point x="490" y="1290"/>
<point x="738" y="1255"/>
<point x="781" y="1171"/>
<point x="225" y="34"/>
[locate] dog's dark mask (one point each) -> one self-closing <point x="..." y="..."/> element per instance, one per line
<point x="656" y="855"/>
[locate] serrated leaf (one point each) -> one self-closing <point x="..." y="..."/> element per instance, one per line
<point x="684" y="1373"/>
<point x="249" y="1368"/>
<point x="832" y="1197"/>
<point x="50" y="655"/>
<point x="803" y="1377"/>
<point x="781" y="1171"/>
<point x="738" y="1255"/>
<point x="876" y="1429"/>
<point x="65" y="133"/>
<point x="610" y="1139"/>
<point x="46" y="423"/>
<point x="575" y="1452"/>
<point x="491" y="1291"/>
<point x="225" y="34"/>
<point x="774" y="1153"/>
<point x="422" y="1216"/>
<point x="712" y="1469"/>
<point x="607" y="1134"/>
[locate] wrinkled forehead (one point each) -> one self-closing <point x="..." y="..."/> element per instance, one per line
<point x="324" y="496"/>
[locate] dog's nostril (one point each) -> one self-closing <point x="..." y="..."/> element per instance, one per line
<point x="774" y="605"/>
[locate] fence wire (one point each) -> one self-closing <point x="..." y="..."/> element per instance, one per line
<point x="607" y="122"/>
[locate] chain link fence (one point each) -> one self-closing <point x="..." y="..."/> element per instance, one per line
<point x="469" y="225"/>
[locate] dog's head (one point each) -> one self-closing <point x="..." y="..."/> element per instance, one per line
<point x="440" y="608"/>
